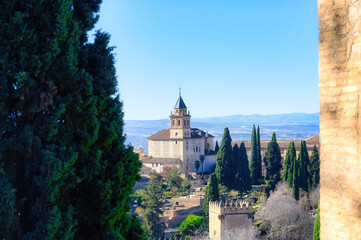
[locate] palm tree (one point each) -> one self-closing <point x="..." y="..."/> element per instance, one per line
<point x="201" y="159"/>
<point x="197" y="165"/>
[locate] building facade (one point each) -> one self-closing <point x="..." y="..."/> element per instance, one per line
<point x="180" y="145"/>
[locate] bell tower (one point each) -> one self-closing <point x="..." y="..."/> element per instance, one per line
<point x="180" y="120"/>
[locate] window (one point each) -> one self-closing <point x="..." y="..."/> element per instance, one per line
<point x="187" y="122"/>
<point x="184" y="123"/>
<point x="173" y="123"/>
<point x="179" y="123"/>
<point x="176" y="134"/>
<point x="176" y="142"/>
<point x="156" y="165"/>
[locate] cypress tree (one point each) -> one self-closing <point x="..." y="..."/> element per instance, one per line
<point x="304" y="163"/>
<point x="273" y="163"/>
<point x="256" y="172"/>
<point x="216" y="147"/>
<point x="314" y="169"/>
<point x="259" y="158"/>
<point x="152" y="206"/>
<point x="212" y="194"/>
<point x="295" y="182"/>
<point x="61" y="140"/>
<point x="287" y="173"/>
<point x="246" y="181"/>
<point x="235" y="169"/>
<point x="224" y="159"/>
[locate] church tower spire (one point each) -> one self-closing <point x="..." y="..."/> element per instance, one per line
<point x="180" y="120"/>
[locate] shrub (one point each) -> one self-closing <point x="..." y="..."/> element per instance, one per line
<point x="191" y="223"/>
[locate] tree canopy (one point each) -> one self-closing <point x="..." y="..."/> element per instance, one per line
<point x="273" y="163"/>
<point x="65" y="168"/>
<point x="224" y="160"/>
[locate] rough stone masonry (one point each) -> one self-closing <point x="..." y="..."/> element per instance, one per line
<point x="340" y="136"/>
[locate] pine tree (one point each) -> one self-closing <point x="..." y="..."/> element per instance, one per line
<point x="287" y="173"/>
<point x="273" y="163"/>
<point x="201" y="159"/>
<point x="224" y="159"/>
<point x="61" y="140"/>
<point x="246" y="181"/>
<point x="235" y="169"/>
<point x="212" y="194"/>
<point x="256" y="171"/>
<point x="216" y="148"/>
<point x="152" y="206"/>
<point x="314" y="169"/>
<point x="296" y="179"/>
<point x="304" y="163"/>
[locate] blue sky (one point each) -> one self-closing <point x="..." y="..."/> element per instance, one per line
<point x="229" y="57"/>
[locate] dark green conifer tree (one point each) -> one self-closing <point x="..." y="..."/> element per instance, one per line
<point x="152" y="206"/>
<point x="61" y="140"/>
<point x="273" y="164"/>
<point x="216" y="148"/>
<point x="224" y="160"/>
<point x="235" y="170"/>
<point x="259" y="158"/>
<point x="212" y="194"/>
<point x="287" y="173"/>
<point x="256" y="171"/>
<point x="296" y="179"/>
<point x="314" y="169"/>
<point x="246" y="181"/>
<point x="304" y="164"/>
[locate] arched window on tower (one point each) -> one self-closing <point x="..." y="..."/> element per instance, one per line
<point x="184" y="123"/>
<point x="173" y="123"/>
<point x="179" y="123"/>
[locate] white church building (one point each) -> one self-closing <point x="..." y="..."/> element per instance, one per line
<point x="180" y="145"/>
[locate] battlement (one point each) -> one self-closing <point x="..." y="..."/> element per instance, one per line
<point x="230" y="207"/>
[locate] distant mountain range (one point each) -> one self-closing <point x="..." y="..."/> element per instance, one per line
<point x="286" y="126"/>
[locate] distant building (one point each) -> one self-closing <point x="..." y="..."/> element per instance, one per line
<point x="139" y="151"/>
<point x="180" y="145"/>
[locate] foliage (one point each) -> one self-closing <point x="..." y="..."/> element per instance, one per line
<point x="316" y="229"/>
<point x="273" y="163"/>
<point x="235" y="169"/>
<point x="259" y="158"/>
<point x="190" y="224"/>
<point x="255" y="161"/>
<point x="152" y="205"/>
<point x="173" y="178"/>
<point x="303" y="161"/>
<point x="61" y="124"/>
<point x="314" y="169"/>
<point x="216" y="148"/>
<point x="245" y="175"/>
<point x="8" y="216"/>
<point x="281" y="211"/>
<point x="212" y="194"/>
<point x="185" y="187"/>
<point x="197" y="164"/>
<point x="287" y="173"/>
<point x="135" y="231"/>
<point x="224" y="160"/>
<point x="201" y="159"/>
<point x="296" y="181"/>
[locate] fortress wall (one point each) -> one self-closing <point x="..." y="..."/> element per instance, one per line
<point x="340" y="137"/>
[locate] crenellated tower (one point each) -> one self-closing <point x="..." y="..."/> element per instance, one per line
<point x="227" y="218"/>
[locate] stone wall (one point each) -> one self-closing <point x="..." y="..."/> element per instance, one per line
<point x="340" y="137"/>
